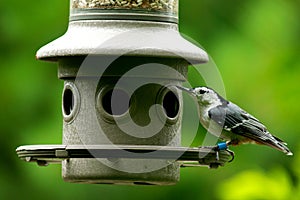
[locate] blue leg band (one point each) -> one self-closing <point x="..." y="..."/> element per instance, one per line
<point x="222" y="146"/>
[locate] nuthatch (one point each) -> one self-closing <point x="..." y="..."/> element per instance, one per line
<point x="228" y="121"/>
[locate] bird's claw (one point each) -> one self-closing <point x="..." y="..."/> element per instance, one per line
<point x="231" y="153"/>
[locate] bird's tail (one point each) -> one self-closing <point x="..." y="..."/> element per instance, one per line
<point x="279" y="145"/>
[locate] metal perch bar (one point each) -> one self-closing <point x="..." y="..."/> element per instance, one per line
<point x="189" y="157"/>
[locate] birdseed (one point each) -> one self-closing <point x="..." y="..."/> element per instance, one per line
<point x="152" y="5"/>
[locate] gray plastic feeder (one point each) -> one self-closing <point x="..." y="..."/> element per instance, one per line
<point x="119" y="61"/>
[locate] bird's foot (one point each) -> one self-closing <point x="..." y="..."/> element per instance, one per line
<point x="223" y="146"/>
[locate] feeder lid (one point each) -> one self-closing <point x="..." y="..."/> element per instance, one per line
<point x="122" y="37"/>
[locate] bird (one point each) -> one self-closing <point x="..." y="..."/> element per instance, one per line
<point x="231" y="123"/>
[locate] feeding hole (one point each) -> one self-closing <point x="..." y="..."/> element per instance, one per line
<point x="171" y="104"/>
<point x="116" y="102"/>
<point x="68" y="101"/>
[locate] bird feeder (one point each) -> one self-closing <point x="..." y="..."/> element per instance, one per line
<point x="119" y="61"/>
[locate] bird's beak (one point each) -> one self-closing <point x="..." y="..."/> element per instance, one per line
<point x="188" y="90"/>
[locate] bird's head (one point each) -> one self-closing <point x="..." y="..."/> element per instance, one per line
<point x="204" y="95"/>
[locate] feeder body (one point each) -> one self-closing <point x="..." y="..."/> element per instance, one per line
<point x="119" y="64"/>
<point x="94" y="122"/>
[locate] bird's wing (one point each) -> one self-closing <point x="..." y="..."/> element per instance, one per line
<point x="233" y="118"/>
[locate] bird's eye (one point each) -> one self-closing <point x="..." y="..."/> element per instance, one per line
<point x="202" y="91"/>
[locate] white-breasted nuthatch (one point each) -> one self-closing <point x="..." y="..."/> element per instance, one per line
<point x="228" y="121"/>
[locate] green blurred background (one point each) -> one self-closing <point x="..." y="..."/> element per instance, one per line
<point x="255" y="44"/>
